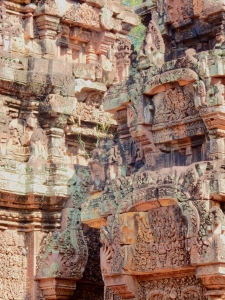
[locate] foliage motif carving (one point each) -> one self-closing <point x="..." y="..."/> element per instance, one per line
<point x="161" y="215"/>
<point x="172" y="288"/>
<point x="64" y="254"/>
<point x="14" y="281"/>
<point x="83" y="14"/>
<point x="131" y="144"/>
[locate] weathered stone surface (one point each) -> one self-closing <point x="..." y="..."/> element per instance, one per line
<point x="57" y="60"/>
<point x="157" y="191"/>
<point x="141" y="208"/>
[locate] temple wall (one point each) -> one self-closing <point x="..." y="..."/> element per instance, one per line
<point x="157" y="189"/>
<point x="112" y="161"/>
<point x="57" y="60"/>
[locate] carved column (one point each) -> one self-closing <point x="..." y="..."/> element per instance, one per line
<point x="210" y="264"/>
<point x="63" y="254"/>
<point x="48" y="27"/>
<point x="55" y="136"/>
<point x="33" y="240"/>
<point x="91" y="56"/>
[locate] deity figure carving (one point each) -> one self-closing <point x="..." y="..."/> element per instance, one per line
<point x="38" y="144"/>
<point x="219" y="45"/>
<point x="115" y="162"/>
<point x="200" y="94"/>
<point x="112" y="160"/>
<point x="58" y="59"/>
<point x="153" y="48"/>
<point x="162" y="218"/>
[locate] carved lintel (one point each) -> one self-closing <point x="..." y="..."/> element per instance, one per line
<point x="83" y="15"/>
<point x="161" y="83"/>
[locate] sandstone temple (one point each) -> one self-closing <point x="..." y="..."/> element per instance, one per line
<point x="112" y="161"/>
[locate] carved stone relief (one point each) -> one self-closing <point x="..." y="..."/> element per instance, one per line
<point x="174" y="105"/>
<point x="172" y="288"/>
<point x="161" y="216"/>
<point x="57" y="60"/>
<point x="69" y="80"/>
<point x="14" y="280"/>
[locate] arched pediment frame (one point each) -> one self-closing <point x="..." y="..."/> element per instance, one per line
<point x="161" y="83"/>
